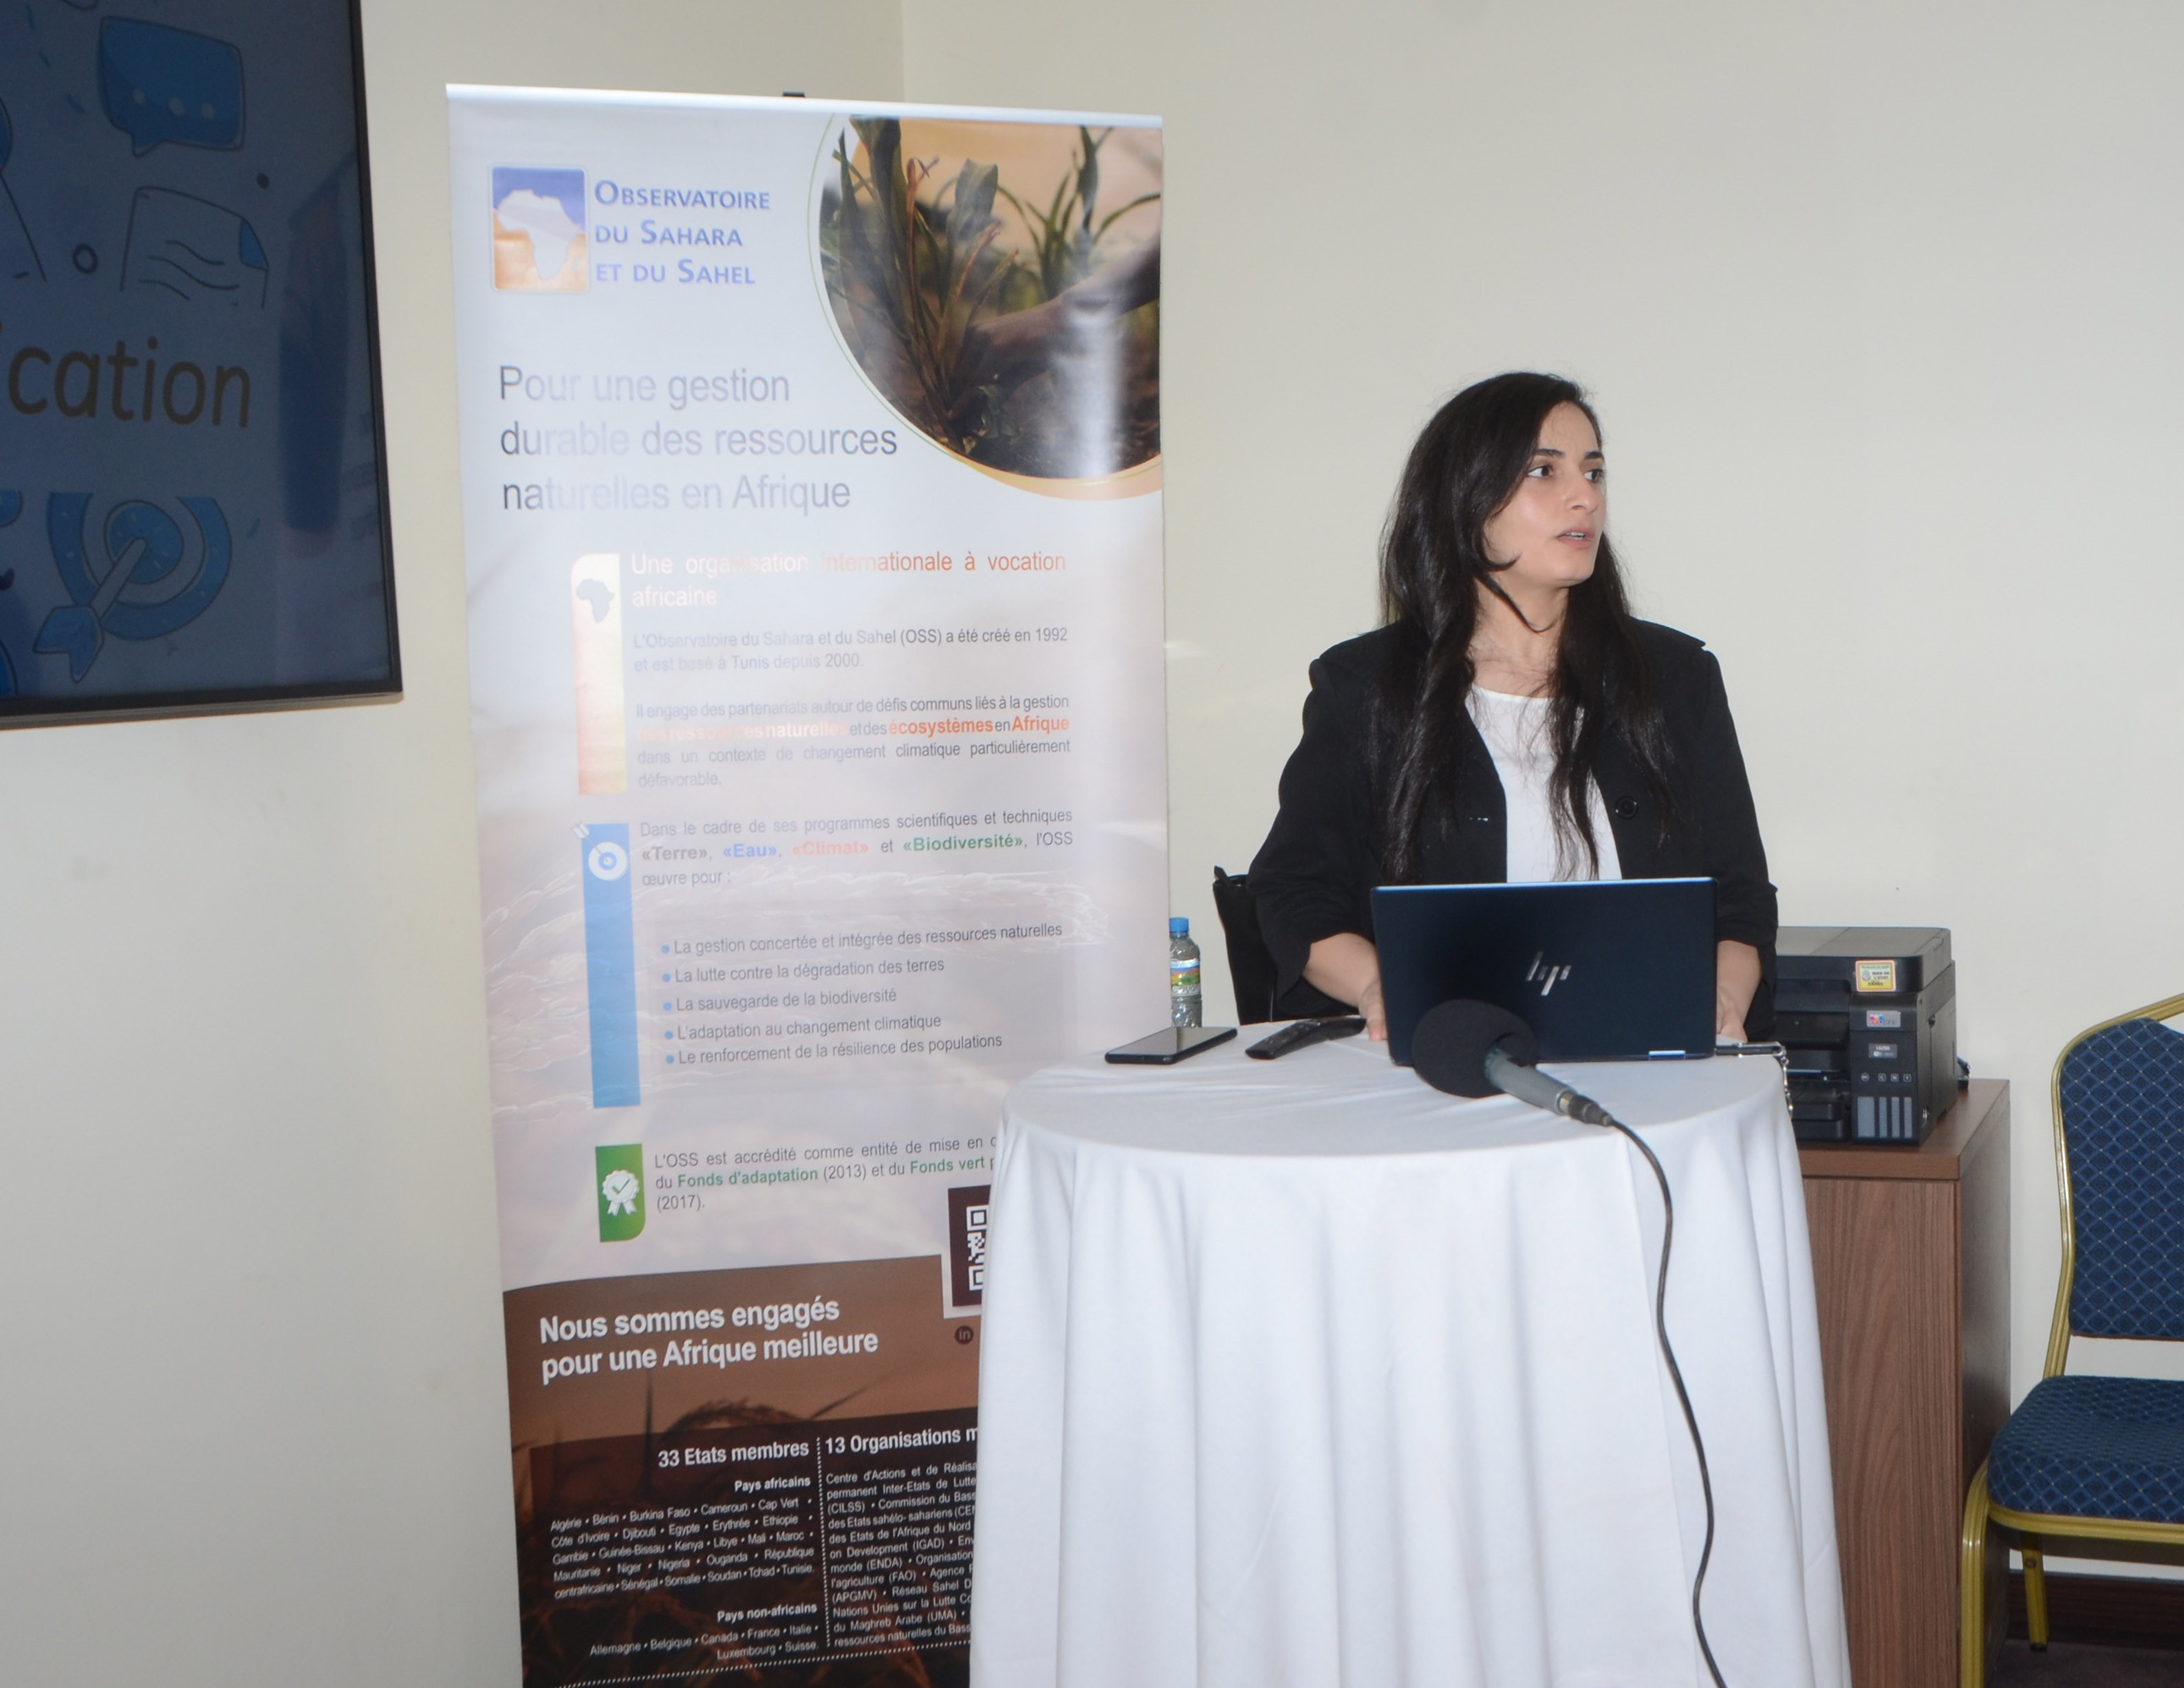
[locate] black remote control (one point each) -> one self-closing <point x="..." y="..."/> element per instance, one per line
<point x="1306" y="1032"/>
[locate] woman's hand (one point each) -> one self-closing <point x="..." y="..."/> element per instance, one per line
<point x="1347" y="967"/>
<point x="1736" y="979"/>
<point x="1374" y="1010"/>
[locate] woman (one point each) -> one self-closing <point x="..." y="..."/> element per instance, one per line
<point x="1510" y="721"/>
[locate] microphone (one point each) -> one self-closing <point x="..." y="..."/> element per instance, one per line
<point x="1474" y="1049"/>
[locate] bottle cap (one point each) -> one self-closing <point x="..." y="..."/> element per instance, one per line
<point x="1178" y="928"/>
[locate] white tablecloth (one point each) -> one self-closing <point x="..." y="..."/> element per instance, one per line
<point x="1301" y="1372"/>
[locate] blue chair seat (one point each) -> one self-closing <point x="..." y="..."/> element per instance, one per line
<point x="2094" y="1447"/>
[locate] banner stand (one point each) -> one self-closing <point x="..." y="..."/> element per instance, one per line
<point x="811" y="460"/>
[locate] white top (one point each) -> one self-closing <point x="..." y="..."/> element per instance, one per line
<point x="1299" y="1372"/>
<point x="1515" y="730"/>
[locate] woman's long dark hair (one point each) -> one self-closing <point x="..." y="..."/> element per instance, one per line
<point x="1467" y="464"/>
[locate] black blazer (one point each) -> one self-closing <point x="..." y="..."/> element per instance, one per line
<point x="1314" y="876"/>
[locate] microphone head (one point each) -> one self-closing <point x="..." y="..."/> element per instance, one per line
<point x="1448" y="1050"/>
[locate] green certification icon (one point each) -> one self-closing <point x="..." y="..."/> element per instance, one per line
<point x="619" y="1178"/>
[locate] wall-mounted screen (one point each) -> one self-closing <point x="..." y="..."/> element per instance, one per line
<point x="193" y="500"/>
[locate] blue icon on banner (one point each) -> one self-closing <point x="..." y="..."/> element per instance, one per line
<point x="610" y="964"/>
<point x="608" y="861"/>
<point x="159" y="85"/>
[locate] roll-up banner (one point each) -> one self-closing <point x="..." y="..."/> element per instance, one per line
<point x="812" y="479"/>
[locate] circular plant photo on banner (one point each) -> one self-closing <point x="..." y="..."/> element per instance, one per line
<point x="1000" y="284"/>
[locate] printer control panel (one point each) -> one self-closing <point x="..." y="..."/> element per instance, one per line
<point x="1885" y="1085"/>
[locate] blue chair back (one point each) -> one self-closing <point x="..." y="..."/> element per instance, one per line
<point x="2122" y="1096"/>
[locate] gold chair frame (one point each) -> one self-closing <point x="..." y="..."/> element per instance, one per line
<point x="2033" y="1527"/>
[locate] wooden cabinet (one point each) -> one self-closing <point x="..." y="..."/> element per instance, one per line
<point x="1911" y="1264"/>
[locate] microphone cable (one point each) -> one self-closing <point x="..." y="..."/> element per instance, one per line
<point x="1467" y="1048"/>
<point x="1676" y="1376"/>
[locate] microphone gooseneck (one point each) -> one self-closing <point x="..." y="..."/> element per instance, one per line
<point x="1474" y="1049"/>
<point x="1527" y="1083"/>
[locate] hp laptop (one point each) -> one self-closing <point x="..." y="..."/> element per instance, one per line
<point x="1601" y="970"/>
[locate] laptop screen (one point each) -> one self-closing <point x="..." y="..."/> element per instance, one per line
<point x="1601" y="970"/>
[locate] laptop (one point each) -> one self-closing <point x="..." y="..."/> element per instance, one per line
<point x="1600" y="969"/>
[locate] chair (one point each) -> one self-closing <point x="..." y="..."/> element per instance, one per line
<point x="1250" y="963"/>
<point x="2097" y="1456"/>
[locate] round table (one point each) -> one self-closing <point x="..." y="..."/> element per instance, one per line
<point x="1301" y="1373"/>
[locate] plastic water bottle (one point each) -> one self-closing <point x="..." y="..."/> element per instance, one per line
<point x="1184" y="1000"/>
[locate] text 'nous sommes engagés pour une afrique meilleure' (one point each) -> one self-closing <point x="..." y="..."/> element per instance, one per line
<point x="699" y="1349"/>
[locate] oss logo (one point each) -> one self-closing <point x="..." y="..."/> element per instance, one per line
<point x="608" y="860"/>
<point x="140" y="587"/>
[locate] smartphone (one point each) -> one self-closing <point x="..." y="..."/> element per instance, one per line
<point x="1170" y="1045"/>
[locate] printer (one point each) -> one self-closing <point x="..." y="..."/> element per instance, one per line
<point x="1867" y="1016"/>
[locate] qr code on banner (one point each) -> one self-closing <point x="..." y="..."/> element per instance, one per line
<point x="966" y="1243"/>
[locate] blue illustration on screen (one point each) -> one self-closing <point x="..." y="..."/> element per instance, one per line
<point x="192" y="249"/>
<point x="144" y="549"/>
<point x="19" y="256"/>
<point x="11" y="506"/>
<point x="163" y="86"/>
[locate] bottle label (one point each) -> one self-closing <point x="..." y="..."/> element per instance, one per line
<point x="1183" y="976"/>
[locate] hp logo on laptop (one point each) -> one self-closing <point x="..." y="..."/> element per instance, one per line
<point x="1544" y="974"/>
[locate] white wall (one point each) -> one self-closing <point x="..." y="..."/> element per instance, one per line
<point x="251" y="1384"/>
<point x="1877" y="301"/>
